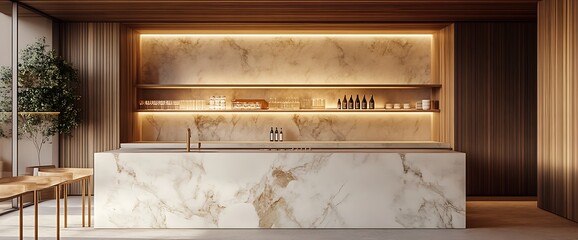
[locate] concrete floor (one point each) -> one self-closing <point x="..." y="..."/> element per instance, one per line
<point x="508" y="220"/>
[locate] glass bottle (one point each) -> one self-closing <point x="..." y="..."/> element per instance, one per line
<point x="281" y="135"/>
<point x="271" y="137"/>
<point x="350" y="104"/>
<point x="371" y="103"/>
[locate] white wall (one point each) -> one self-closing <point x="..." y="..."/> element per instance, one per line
<point x="30" y="28"/>
<point x="5" y="60"/>
<point x="5" y="39"/>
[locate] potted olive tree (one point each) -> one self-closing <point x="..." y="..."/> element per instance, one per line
<point x="47" y="98"/>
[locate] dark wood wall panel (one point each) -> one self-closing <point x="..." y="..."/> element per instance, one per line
<point x="495" y="107"/>
<point x="93" y="49"/>
<point x="128" y="73"/>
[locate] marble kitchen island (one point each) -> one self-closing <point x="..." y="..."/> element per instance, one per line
<point x="279" y="188"/>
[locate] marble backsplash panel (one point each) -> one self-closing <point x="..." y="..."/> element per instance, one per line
<point x="270" y="59"/>
<point x="303" y="126"/>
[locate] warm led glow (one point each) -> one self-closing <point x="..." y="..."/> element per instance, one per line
<point x="352" y="35"/>
<point x="362" y="112"/>
<point x="286" y="86"/>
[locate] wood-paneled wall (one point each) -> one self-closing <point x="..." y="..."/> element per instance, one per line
<point x="444" y="59"/>
<point x="129" y="43"/>
<point x="495" y="106"/>
<point x="93" y="49"/>
<point x="558" y="107"/>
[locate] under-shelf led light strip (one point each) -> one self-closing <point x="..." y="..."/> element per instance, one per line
<point x="288" y="86"/>
<point x="284" y="35"/>
<point x="286" y="113"/>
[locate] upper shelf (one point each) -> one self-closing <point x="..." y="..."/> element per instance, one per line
<point x="285" y="86"/>
<point x="34" y="113"/>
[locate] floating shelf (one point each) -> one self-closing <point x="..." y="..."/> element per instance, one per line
<point x="289" y="111"/>
<point x="285" y="86"/>
<point x="34" y="113"/>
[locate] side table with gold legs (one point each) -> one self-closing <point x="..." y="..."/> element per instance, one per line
<point x="10" y="186"/>
<point x="9" y="190"/>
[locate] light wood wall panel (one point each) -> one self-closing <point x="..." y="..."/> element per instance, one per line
<point x="495" y="106"/>
<point x="444" y="59"/>
<point x="93" y="49"/>
<point x="558" y="107"/>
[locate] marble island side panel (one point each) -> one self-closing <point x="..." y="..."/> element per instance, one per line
<point x="279" y="190"/>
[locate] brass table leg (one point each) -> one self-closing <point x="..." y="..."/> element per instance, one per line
<point x="89" y="196"/>
<point x="82" y="187"/>
<point x="65" y="190"/>
<point x="21" y="205"/>
<point x="35" y="215"/>
<point x="57" y="191"/>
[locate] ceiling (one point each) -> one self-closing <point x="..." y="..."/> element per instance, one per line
<point x="278" y="11"/>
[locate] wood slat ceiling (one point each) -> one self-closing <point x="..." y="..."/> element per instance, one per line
<point x="182" y="11"/>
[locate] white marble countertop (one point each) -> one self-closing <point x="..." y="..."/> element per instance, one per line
<point x="289" y="145"/>
<point x="279" y="150"/>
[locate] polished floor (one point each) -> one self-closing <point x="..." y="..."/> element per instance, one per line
<point x="487" y="220"/>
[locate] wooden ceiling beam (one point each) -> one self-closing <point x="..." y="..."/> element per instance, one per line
<point x="288" y="11"/>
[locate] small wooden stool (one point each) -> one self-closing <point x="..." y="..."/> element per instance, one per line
<point x="84" y="175"/>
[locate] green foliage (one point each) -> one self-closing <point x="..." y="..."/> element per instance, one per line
<point x="46" y="83"/>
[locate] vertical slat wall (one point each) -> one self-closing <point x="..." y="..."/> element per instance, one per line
<point x="446" y="76"/>
<point x="558" y="107"/>
<point x="93" y="48"/>
<point x="495" y="107"/>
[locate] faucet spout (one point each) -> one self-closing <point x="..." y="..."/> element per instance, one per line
<point x="188" y="139"/>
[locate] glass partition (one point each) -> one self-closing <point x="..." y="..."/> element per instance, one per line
<point x="37" y="144"/>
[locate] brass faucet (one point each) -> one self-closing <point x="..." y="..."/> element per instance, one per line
<point x="188" y="139"/>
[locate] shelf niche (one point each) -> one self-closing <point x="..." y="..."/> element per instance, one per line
<point x="382" y="94"/>
<point x="171" y="68"/>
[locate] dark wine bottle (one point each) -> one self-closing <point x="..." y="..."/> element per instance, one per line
<point x="344" y="103"/>
<point x="371" y="103"/>
<point x="364" y="103"/>
<point x="350" y="105"/>
<point x="357" y="103"/>
<point x="338" y="103"/>
<point x="271" y="137"/>
<point x="276" y="135"/>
